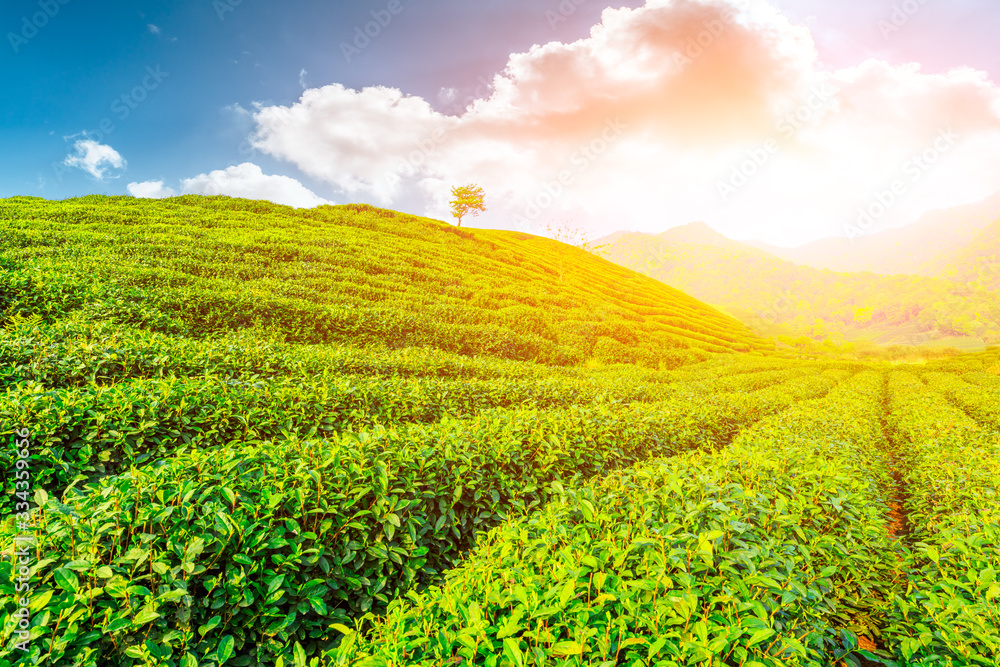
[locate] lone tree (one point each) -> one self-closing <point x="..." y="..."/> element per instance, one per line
<point x="468" y="199"/>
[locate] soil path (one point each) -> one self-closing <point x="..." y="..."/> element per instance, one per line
<point x="899" y="525"/>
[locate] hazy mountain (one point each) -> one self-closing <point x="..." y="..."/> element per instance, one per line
<point x="927" y="247"/>
<point x="774" y="295"/>
<point x="978" y="262"/>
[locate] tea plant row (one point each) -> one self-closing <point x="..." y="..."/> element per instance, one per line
<point x="759" y="554"/>
<point x="949" y="610"/>
<point x="277" y="542"/>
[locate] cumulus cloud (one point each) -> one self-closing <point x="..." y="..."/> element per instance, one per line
<point x="99" y="160"/>
<point x="245" y="180"/>
<point x="354" y="140"/>
<point x="150" y="190"/>
<point x="249" y="181"/>
<point x="679" y="110"/>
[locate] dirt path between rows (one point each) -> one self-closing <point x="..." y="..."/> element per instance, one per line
<point x="900" y="530"/>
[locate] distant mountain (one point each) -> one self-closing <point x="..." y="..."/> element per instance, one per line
<point x="700" y="233"/>
<point x="927" y="247"/>
<point x="774" y="296"/>
<point x="978" y="262"/>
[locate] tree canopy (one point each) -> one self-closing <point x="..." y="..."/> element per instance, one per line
<point x="468" y="200"/>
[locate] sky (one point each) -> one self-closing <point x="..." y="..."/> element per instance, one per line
<point x="782" y="121"/>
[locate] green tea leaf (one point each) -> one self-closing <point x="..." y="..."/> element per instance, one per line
<point x="226" y="648"/>
<point x="66" y="579"/>
<point x="146" y="616"/>
<point x="567" y="648"/>
<point x="209" y="625"/>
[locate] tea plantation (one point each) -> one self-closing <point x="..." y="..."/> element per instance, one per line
<point x="241" y="434"/>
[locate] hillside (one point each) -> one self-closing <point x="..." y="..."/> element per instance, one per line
<point x="200" y="267"/>
<point x="241" y="435"/>
<point x="924" y="248"/>
<point x="778" y="296"/>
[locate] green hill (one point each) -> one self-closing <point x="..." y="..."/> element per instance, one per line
<point x="202" y="266"/>
<point x="240" y="435"/>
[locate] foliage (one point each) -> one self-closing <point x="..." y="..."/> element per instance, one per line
<point x="262" y="436"/>
<point x="206" y="267"/>
<point x="468" y="200"/>
<point x="567" y="233"/>
<point x="741" y="556"/>
<point x="349" y="523"/>
<point x="950" y="612"/>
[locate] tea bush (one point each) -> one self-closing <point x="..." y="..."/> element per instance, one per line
<point x="202" y="267"/>
<point x="949" y="613"/>
<point x="757" y="554"/>
<point x="982" y="403"/>
<point x="367" y="516"/>
<point x="268" y="436"/>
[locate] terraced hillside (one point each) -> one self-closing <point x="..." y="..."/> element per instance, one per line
<point x="195" y="477"/>
<point x="198" y="267"/>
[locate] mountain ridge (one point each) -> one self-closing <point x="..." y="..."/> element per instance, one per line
<point x="773" y="294"/>
<point x="925" y="248"/>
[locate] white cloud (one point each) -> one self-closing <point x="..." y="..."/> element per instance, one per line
<point x="249" y="181"/>
<point x="98" y="160"/>
<point x="150" y="190"/>
<point x="302" y="79"/>
<point x="368" y="135"/>
<point x="245" y="180"/>
<point x="154" y="29"/>
<point x="699" y="85"/>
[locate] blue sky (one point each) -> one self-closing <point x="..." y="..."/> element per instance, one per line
<point x="66" y="79"/>
<point x="173" y="89"/>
